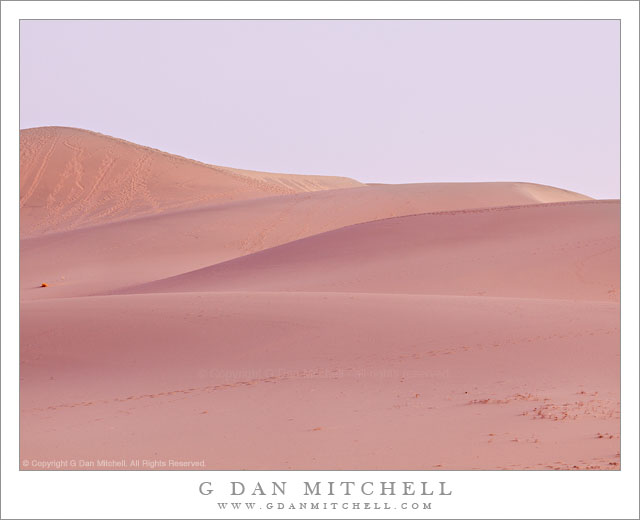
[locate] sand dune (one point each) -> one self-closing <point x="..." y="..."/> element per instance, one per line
<point x="562" y="250"/>
<point x="99" y="258"/>
<point x="71" y="178"/>
<point x="268" y="321"/>
<point x="323" y="381"/>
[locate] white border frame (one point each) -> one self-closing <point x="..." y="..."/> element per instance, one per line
<point x="486" y="494"/>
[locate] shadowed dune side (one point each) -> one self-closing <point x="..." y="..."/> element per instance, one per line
<point x="322" y="381"/>
<point x="563" y="250"/>
<point x="100" y="258"/>
<point x="71" y="178"/>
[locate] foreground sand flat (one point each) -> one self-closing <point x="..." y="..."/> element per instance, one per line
<point x="323" y="380"/>
<point x="266" y="321"/>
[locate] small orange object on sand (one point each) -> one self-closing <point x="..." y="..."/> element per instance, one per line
<point x="44" y="285"/>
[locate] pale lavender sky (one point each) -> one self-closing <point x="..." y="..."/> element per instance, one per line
<point x="379" y="101"/>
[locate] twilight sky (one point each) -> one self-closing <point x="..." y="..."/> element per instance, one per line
<point x="379" y="101"/>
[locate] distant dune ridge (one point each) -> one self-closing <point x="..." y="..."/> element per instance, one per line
<point x="71" y="178"/>
<point x="309" y="322"/>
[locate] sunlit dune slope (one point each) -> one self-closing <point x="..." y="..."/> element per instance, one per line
<point x="71" y="178"/>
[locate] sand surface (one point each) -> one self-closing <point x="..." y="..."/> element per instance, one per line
<point x="271" y="321"/>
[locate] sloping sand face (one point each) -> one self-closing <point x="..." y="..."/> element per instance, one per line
<point x="564" y="250"/>
<point x="96" y="259"/>
<point x="71" y="178"/>
<point x="265" y="321"/>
